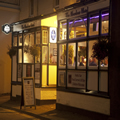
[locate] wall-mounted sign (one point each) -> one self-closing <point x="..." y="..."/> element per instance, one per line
<point x="76" y="79"/>
<point x="6" y="28"/>
<point x="27" y="25"/>
<point x="77" y="11"/>
<point x="53" y="35"/>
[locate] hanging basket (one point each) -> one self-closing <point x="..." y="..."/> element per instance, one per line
<point x="11" y="51"/>
<point x="101" y="49"/>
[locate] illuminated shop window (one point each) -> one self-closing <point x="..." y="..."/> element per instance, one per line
<point x="94" y="24"/>
<point x="71" y="55"/>
<point x="81" y="55"/>
<point x="63" y="30"/>
<point x="78" y="28"/>
<point x="52" y="53"/>
<point x="15" y="41"/>
<point x="92" y="62"/>
<point x="105" y="22"/>
<point x="44" y="54"/>
<point x="20" y="40"/>
<point x="62" y="55"/>
<point x="28" y="41"/>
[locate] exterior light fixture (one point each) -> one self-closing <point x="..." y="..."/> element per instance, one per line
<point x="6" y="28"/>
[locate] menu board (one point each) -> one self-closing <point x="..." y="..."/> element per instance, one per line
<point x="28" y="91"/>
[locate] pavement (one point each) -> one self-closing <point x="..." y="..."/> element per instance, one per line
<point x="42" y="112"/>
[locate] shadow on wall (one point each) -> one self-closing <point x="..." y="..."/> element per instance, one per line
<point x="1" y="76"/>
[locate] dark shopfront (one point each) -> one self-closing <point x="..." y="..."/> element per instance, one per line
<point x="83" y="80"/>
<point x="42" y="67"/>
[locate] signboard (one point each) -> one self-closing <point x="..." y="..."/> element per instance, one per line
<point x="76" y="79"/>
<point x="53" y="35"/>
<point x="6" y="28"/>
<point x="77" y="11"/>
<point x="28" y="92"/>
<point x="27" y="25"/>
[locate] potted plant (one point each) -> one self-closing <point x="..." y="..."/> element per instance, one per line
<point x="101" y="49"/>
<point x="34" y="50"/>
<point x="11" y="51"/>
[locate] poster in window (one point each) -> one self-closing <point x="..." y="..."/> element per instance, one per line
<point x="28" y="70"/>
<point x="19" y="70"/>
<point x="54" y="51"/>
<point x="76" y="79"/>
<point x="61" y="78"/>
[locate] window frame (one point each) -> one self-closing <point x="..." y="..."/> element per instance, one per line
<point x="77" y="40"/>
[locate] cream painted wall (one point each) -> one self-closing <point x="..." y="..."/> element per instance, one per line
<point x="24" y="9"/>
<point x="86" y="102"/>
<point x="7" y="15"/>
<point x="64" y="3"/>
<point x="45" y="6"/>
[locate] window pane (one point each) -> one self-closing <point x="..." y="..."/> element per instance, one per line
<point x="104" y="63"/>
<point x="92" y="81"/>
<point x="37" y="73"/>
<point x="92" y="62"/>
<point x="19" y="55"/>
<point x="28" y="58"/>
<point x="62" y="55"/>
<point x="81" y="55"/>
<point x="15" y="41"/>
<point x="19" y="72"/>
<point x="38" y="37"/>
<point x="103" y="82"/>
<point x="20" y="40"/>
<point x="52" y="53"/>
<point x="63" y="30"/>
<point x="105" y="22"/>
<point x="71" y="55"/>
<point x="44" y="54"/>
<point x="29" y="39"/>
<point x="44" y="36"/>
<point x="28" y="70"/>
<point x="78" y="28"/>
<point x="62" y="78"/>
<point x="37" y="58"/>
<point x="94" y="24"/>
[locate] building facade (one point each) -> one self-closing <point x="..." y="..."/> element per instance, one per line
<point x="65" y="70"/>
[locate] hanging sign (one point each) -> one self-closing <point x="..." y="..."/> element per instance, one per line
<point x="6" y="28"/>
<point x="53" y="35"/>
<point x="28" y="92"/>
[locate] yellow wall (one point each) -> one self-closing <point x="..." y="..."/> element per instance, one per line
<point x="49" y="22"/>
<point x="44" y="75"/>
<point x="52" y="74"/>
